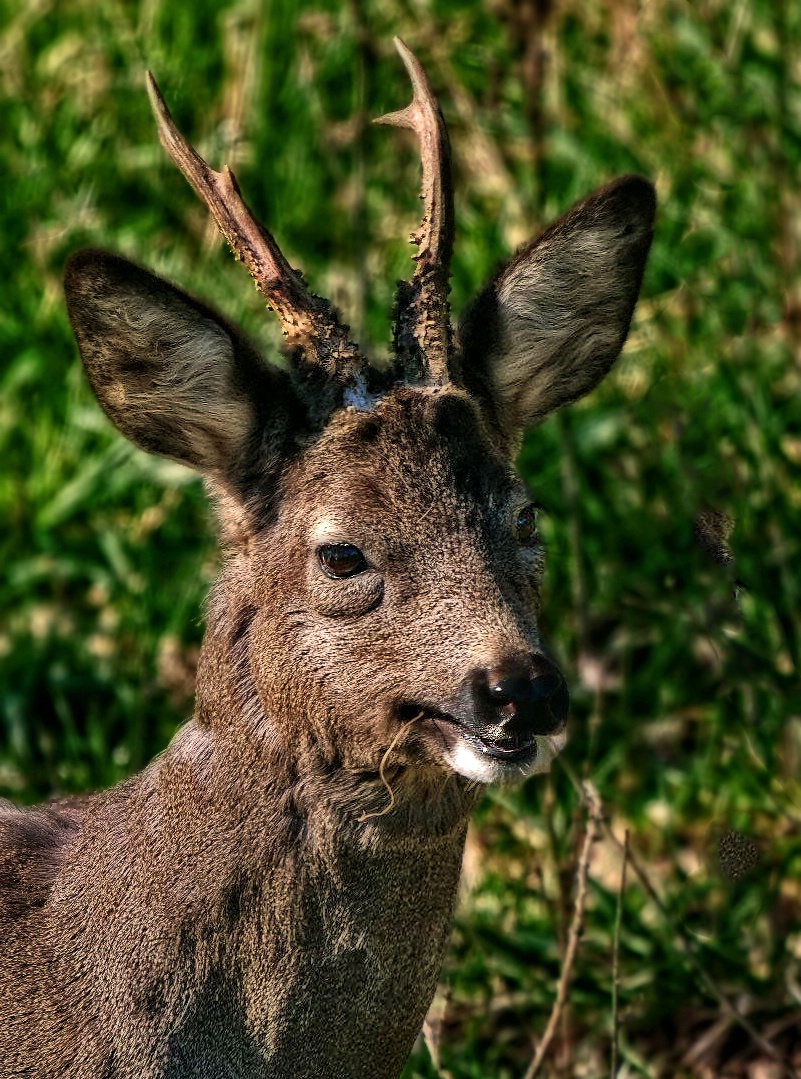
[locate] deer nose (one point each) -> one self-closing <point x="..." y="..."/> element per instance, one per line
<point x="535" y="700"/>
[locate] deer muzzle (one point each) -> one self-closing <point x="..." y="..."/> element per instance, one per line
<point x="511" y="705"/>
<point x="506" y="722"/>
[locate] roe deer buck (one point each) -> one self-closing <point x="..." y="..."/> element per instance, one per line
<point x="273" y="895"/>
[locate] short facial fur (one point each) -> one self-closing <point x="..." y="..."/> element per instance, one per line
<point x="253" y="903"/>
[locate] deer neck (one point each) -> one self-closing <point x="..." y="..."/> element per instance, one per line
<point x="286" y="891"/>
<point x="248" y="812"/>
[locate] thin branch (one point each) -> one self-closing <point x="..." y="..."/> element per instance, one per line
<point x="616" y="958"/>
<point x="594" y="820"/>
<point x="690" y="950"/>
<point x="686" y="943"/>
<point x="432" y="1028"/>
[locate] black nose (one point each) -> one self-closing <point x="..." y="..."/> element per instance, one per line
<point x="535" y="699"/>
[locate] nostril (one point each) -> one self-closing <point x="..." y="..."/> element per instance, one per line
<point x="524" y="690"/>
<point x="509" y="691"/>
<point x="539" y="703"/>
<point x="514" y="702"/>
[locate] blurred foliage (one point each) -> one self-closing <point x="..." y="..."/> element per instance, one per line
<point x="682" y="649"/>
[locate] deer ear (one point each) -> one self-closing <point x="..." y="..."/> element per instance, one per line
<point x="170" y="373"/>
<point x="547" y="329"/>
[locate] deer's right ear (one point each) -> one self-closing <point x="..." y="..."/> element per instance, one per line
<point x="170" y="373"/>
<point x="547" y="329"/>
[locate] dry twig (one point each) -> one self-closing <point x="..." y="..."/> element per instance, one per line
<point x="433" y="1026"/>
<point x="616" y="958"/>
<point x="593" y="803"/>
<point x="685" y="942"/>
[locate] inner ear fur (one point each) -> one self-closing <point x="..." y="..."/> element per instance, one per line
<point x="174" y="376"/>
<point x="549" y="326"/>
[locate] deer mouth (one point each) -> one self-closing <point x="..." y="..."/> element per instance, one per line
<point x="508" y="746"/>
<point x="511" y="747"/>
<point x="488" y="752"/>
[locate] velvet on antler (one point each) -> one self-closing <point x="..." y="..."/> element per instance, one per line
<point x="422" y="318"/>
<point x="309" y="322"/>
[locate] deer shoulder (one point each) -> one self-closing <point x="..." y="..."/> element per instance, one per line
<point x="273" y="895"/>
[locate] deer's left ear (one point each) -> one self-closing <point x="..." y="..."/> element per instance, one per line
<point x="549" y="326"/>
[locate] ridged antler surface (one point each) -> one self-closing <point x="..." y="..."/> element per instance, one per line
<point x="422" y="327"/>
<point x="371" y="659"/>
<point x="309" y="322"/>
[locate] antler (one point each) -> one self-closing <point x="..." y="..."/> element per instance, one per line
<point x="422" y="326"/>
<point x="309" y="322"/>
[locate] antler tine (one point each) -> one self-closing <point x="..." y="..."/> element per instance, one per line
<point x="422" y="329"/>
<point x="308" y="321"/>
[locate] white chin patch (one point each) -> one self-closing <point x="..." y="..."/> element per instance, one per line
<point x="471" y="763"/>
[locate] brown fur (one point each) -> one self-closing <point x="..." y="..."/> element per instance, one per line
<point x="245" y="906"/>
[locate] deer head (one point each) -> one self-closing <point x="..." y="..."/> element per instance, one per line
<point x="381" y="585"/>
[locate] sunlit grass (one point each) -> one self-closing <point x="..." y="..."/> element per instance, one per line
<point x="684" y="672"/>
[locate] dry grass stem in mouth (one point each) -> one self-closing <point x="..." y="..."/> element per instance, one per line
<point x="381" y="774"/>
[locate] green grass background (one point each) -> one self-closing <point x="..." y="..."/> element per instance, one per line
<point x="684" y="672"/>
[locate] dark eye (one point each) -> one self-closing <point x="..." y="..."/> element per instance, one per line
<point x="341" y="560"/>
<point x="526" y="526"/>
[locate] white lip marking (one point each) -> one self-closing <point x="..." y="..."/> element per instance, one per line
<point x="472" y="764"/>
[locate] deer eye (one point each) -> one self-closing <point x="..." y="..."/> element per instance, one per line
<point x="341" y="560"/>
<point x="526" y="526"/>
